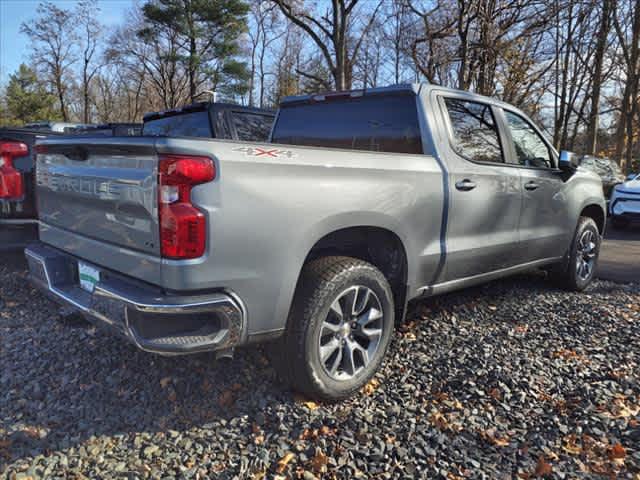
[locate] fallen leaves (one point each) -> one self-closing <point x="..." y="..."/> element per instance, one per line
<point x="543" y="468"/>
<point x="283" y="462"/>
<point x="570" y="445"/>
<point x="617" y="453"/>
<point x="620" y="408"/>
<point x="310" y="404"/>
<point x="371" y="387"/>
<point x="445" y="421"/>
<point x="164" y="382"/>
<point x="315" y="433"/>
<point x="568" y="355"/>
<point x="319" y="462"/>
<point x="226" y="399"/>
<point x="491" y="437"/>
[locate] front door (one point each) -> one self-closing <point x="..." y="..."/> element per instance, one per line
<point x="485" y="192"/>
<point x="544" y="232"/>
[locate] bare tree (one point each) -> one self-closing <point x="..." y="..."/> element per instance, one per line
<point x="90" y="37"/>
<point x="333" y="32"/>
<point x="628" y="33"/>
<point x="267" y="29"/>
<point x="53" y="36"/>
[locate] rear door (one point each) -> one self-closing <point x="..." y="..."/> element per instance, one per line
<point x="544" y="229"/>
<point x="485" y="192"/>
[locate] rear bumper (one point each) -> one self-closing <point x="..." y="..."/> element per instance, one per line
<point x="151" y="319"/>
<point x="18" y="233"/>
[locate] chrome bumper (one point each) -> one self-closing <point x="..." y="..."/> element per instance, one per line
<point x="152" y="320"/>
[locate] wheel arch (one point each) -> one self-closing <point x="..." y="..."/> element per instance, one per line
<point x="380" y="246"/>
<point x="597" y="213"/>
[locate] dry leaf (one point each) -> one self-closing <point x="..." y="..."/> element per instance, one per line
<point x="310" y="404"/>
<point x="543" y="468"/>
<point x="319" y="462"/>
<point x="371" y="387"/>
<point x="226" y="399"/>
<point x="491" y="437"/>
<point x="31" y="432"/>
<point x="259" y="475"/>
<point x="570" y="446"/>
<point x="165" y="381"/>
<point x="284" y="461"/>
<point x="495" y="393"/>
<point x="617" y="452"/>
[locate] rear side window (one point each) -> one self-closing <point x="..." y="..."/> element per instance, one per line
<point x="190" y="124"/>
<point x="252" y="126"/>
<point x="475" y="134"/>
<point x="377" y="123"/>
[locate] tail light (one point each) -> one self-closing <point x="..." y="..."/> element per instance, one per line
<point x="11" y="181"/>
<point x="183" y="232"/>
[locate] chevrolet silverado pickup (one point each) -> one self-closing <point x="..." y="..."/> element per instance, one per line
<point x="314" y="241"/>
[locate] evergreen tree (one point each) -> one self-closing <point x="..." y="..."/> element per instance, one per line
<point x="27" y="100"/>
<point x="209" y="31"/>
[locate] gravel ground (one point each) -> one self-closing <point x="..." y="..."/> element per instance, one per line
<point x="515" y="379"/>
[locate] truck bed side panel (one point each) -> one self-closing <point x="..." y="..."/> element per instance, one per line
<point x="266" y="211"/>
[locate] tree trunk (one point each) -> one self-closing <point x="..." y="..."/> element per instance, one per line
<point x="601" y="46"/>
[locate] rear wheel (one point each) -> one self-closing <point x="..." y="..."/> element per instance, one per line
<point x="338" y="330"/>
<point x="579" y="271"/>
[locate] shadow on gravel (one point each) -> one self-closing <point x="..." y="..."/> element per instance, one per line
<point x="94" y="403"/>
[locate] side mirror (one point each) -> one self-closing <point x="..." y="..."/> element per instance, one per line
<point x="568" y="161"/>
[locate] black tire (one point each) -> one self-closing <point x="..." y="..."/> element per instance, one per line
<point x="568" y="274"/>
<point x="323" y="284"/>
<point x="619" y="223"/>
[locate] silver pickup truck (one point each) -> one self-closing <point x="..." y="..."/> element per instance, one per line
<point x="317" y="240"/>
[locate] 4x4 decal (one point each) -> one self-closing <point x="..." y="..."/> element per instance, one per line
<point x="265" y="152"/>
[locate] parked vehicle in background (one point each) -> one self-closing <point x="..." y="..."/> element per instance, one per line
<point x="58" y="127"/>
<point x="365" y="200"/>
<point x="18" y="222"/>
<point x="608" y="170"/>
<point x="107" y="130"/>
<point x="624" y="206"/>
<point x="211" y="120"/>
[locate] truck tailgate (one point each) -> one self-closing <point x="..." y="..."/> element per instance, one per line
<point x="104" y="190"/>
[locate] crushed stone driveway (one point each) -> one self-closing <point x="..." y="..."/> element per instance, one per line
<point x="620" y="254"/>
<point x="513" y="379"/>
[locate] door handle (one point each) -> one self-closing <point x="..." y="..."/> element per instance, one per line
<point x="465" y="185"/>
<point x="531" y="186"/>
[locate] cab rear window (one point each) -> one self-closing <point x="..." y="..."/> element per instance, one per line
<point x="378" y="123"/>
<point x="190" y="124"/>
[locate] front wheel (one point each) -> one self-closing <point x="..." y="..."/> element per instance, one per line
<point x="579" y="271"/>
<point x="338" y="330"/>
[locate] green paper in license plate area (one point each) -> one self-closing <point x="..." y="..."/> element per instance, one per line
<point x="89" y="276"/>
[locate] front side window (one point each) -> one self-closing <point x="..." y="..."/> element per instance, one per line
<point x="475" y="134"/>
<point x="531" y="149"/>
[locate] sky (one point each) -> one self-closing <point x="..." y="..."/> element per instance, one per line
<point x="14" y="45"/>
